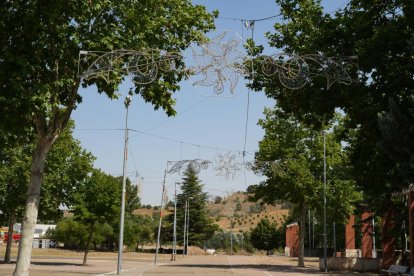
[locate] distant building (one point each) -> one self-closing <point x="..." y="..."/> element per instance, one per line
<point x="40" y="229"/>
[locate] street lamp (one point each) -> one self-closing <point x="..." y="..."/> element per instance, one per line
<point x="121" y="223"/>
<point x="160" y="219"/>
<point x="175" y="223"/>
<point x="185" y="226"/>
<point x="188" y="222"/>
<point x="325" y="254"/>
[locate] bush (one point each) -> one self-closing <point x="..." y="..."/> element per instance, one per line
<point x="71" y="233"/>
<point x="218" y="199"/>
<point x="238" y="206"/>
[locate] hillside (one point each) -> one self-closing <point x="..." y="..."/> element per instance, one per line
<point x="246" y="214"/>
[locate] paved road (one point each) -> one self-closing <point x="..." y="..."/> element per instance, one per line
<point x="190" y="265"/>
<point x="230" y="265"/>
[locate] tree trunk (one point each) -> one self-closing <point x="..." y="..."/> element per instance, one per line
<point x="301" y="260"/>
<point x="32" y="204"/>
<point x="85" y="256"/>
<point x="12" y="218"/>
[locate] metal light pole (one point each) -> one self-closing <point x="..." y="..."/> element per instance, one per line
<point x="188" y="223"/>
<point x="334" y="239"/>
<point x="121" y="223"/>
<point x="231" y="235"/>
<point x="374" y="252"/>
<point x="185" y="225"/>
<point x="160" y="220"/>
<point x="309" y="231"/>
<point x="325" y="253"/>
<point x="175" y="223"/>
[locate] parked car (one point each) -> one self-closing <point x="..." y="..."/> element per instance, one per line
<point x="15" y="237"/>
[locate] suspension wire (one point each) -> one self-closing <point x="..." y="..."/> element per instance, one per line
<point x="133" y="161"/>
<point x="273" y="17"/>
<point x="179" y="114"/>
<point x="181" y="151"/>
<point x="186" y="143"/>
<point x="249" y="25"/>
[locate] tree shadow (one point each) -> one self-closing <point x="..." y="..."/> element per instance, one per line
<point x="40" y="263"/>
<point x="275" y="268"/>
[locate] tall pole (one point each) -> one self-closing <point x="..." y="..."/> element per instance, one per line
<point x="185" y="225"/>
<point x="160" y="220"/>
<point x="374" y="252"/>
<point x="334" y="239"/>
<point x="188" y="223"/>
<point x="231" y="236"/>
<point x="325" y="253"/>
<point x="121" y="222"/>
<point x="175" y="223"/>
<point x="309" y="223"/>
<point x="313" y="232"/>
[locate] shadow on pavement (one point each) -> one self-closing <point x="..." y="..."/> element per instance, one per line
<point x="275" y="268"/>
<point x="55" y="263"/>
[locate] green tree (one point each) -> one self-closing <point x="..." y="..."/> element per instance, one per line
<point x="398" y="135"/>
<point x="265" y="236"/>
<point x="39" y="78"/>
<point x="201" y="226"/>
<point x="238" y="206"/>
<point x="380" y="34"/>
<point x="132" y="200"/>
<point x="291" y="157"/>
<point x="66" y="167"/>
<point x="73" y="234"/>
<point x="97" y="201"/>
<point x="14" y="173"/>
<point x="218" y="199"/>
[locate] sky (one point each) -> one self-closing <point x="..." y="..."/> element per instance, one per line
<point x="206" y="126"/>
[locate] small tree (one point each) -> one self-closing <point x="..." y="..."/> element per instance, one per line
<point x="201" y="226"/>
<point x="238" y="206"/>
<point x="97" y="202"/>
<point x="218" y="199"/>
<point x="291" y="157"/>
<point x="265" y="236"/>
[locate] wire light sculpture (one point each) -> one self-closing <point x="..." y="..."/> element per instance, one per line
<point x="142" y="66"/>
<point x="196" y="164"/>
<point x="220" y="62"/>
<point x="227" y="164"/>
<point x="295" y="71"/>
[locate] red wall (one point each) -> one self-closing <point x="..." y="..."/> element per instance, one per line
<point x="292" y="239"/>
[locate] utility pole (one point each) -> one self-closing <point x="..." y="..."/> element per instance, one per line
<point x="185" y="226"/>
<point x="325" y="253"/>
<point x="374" y="251"/>
<point x="334" y="239"/>
<point x="309" y="223"/>
<point x="231" y="235"/>
<point x="121" y="222"/>
<point x="160" y="220"/>
<point x="188" y="223"/>
<point x="175" y="223"/>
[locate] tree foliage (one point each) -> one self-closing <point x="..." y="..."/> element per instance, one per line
<point x="380" y="35"/>
<point x="291" y="158"/>
<point x="97" y="201"/>
<point x="265" y="236"/>
<point x="39" y="78"/>
<point x="201" y="225"/>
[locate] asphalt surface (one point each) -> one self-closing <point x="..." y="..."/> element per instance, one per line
<point x="216" y="265"/>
